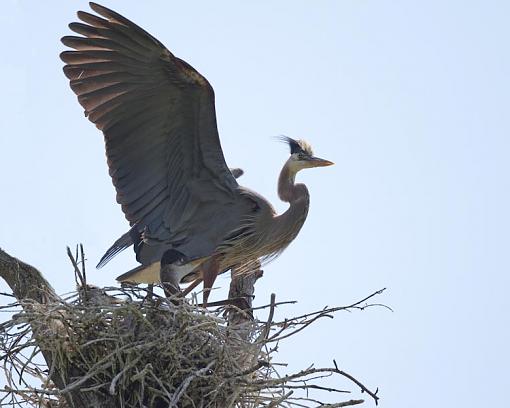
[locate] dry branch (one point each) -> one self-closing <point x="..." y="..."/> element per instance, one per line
<point x="26" y="282"/>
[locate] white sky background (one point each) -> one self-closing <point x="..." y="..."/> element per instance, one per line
<point x="409" y="99"/>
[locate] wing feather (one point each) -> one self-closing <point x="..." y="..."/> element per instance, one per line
<point x="158" y="118"/>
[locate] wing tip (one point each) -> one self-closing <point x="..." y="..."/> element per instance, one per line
<point x="109" y="14"/>
<point x="108" y="256"/>
<point x="96" y="6"/>
<point x="118" y="246"/>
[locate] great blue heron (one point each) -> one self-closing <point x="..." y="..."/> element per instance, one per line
<point x="189" y="217"/>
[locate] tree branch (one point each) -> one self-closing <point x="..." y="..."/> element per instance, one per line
<point x="242" y="289"/>
<point x="26" y="282"/>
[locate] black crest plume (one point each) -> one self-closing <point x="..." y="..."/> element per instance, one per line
<point x="297" y="146"/>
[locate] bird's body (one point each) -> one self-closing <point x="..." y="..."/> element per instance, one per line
<point x="188" y="215"/>
<point x="242" y="246"/>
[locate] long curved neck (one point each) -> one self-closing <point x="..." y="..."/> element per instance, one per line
<point x="288" y="190"/>
<point x="287" y="225"/>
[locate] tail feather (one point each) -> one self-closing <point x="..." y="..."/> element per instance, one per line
<point x="142" y="274"/>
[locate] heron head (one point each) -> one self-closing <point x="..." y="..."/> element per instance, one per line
<point x="301" y="155"/>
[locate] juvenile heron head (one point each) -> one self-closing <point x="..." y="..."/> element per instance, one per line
<point x="301" y="155"/>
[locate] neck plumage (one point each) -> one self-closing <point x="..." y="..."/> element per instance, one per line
<point x="288" y="191"/>
<point x="290" y="222"/>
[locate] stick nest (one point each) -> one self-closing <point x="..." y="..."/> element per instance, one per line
<point x="143" y="350"/>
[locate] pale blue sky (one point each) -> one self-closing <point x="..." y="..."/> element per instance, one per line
<point x="409" y="99"/>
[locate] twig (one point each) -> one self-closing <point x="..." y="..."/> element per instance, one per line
<point x="83" y="264"/>
<point x="256" y="367"/>
<point x="111" y="390"/>
<point x="342" y="404"/>
<point x="77" y="273"/>
<point x="288" y="302"/>
<point x="267" y="328"/>
<point x="185" y="384"/>
<point x="359" y="384"/>
<point x="355" y="305"/>
<point x="280" y="400"/>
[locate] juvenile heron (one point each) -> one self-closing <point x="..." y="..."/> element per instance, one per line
<point x="189" y="218"/>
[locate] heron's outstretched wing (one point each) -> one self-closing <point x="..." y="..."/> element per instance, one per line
<point x="158" y="118"/>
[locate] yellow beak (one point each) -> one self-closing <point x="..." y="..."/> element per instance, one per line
<point x="318" y="162"/>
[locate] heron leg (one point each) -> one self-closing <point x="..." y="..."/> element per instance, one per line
<point x="192" y="286"/>
<point x="210" y="270"/>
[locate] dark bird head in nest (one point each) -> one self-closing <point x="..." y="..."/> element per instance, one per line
<point x="301" y="155"/>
